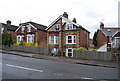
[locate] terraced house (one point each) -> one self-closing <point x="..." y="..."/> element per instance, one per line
<point x="32" y="32"/>
<point x="64" y="35"/>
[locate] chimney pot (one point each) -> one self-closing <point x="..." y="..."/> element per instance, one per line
<point x="101" y="25"/>
<point x="65" y="15"/>
<point x="8" y="22"/>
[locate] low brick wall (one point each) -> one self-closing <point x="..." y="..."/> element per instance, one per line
<point x="31" y="49"/>
<point x="92" y="55"/>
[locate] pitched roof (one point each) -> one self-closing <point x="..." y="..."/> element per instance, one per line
<point x="61" y="16"/>
<point x="10" y="27"/>
<point x="110" y="31"/>
<point x="38" y="26"/>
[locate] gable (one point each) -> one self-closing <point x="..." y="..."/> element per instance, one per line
<point x="117" y="34"/>
<point x="26" y="25"/>
<point x="53" y="26"/>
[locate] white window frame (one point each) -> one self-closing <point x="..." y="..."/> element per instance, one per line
<point x="69" y="26"/>
<point x="2" y="29"/>
<point x="57" y="27"/>
<point x="114" y="43"/>
<point x="28" y="28"/>
<point x="21" y="38"/>
<point x="54" y="51"/>
<point x="31" y="38"/>
<point x="68" y="52"/>
<point x="53" y="39"/>
<point x="22" y="29"/>
<point x="73" y="39"/>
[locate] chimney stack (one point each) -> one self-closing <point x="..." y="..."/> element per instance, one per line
<point x="74" y="20"/>
<point x="65" y="15"/>
<point x="8" y="22"/>
<point x="101" y="25"/>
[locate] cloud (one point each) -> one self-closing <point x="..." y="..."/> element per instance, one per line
<point x="87" y="12"/>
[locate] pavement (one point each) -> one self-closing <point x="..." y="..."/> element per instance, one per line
<point x="109" y="64"/>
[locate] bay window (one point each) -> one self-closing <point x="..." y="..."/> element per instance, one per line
<point x="30" y="38"/>
<point x="71" y="39"/>
<point x="53" y="39"/>
<point x="20" y="38"/>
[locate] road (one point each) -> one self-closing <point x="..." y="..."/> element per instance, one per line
<point x="18" y="67"/>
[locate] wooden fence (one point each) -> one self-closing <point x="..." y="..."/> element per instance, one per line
<point x="93" y="55"/>
<point x="31" y="49"/>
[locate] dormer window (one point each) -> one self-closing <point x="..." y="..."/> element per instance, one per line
<point x="29" y="28"/>
<point x="22" y="29"/>
<point x="69" y="26"/>
<point x="57" y="27"/>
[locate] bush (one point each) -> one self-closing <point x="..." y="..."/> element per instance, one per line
<point x="92" y="49"/>
<point x="7" y="39"/>
<point x="36" y="44"/>
<point x="81" y="49"/>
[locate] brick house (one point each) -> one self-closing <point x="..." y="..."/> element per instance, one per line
<point x="31" y="32"/>
<point x="64" y="35"/>
<point x="108" y="37"/>
<point x="8" y="28"/>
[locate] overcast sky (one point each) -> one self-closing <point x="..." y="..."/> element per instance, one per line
<point x="89" y="13"/>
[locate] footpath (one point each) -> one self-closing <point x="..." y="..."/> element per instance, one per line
<point x="107" y="64"/>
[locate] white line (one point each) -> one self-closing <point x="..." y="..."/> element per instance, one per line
<point x="86" y="78"/>
<point x="24" y="68"/>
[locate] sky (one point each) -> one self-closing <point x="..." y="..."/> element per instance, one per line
<point x="88" y="13"/>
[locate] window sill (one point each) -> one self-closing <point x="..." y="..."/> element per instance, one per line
<point x="70" y="43"/>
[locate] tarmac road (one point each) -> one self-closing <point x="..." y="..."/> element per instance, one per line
<point x="18" y="67"/>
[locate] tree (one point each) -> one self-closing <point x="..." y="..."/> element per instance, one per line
<point x="95" y="38"/>
<point x="7" y="39"/>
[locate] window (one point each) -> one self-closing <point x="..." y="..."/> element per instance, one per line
<point x="20" y="38"/>
<point x="22" y="29"/>
<point x="71" y="39"/>
<point x="29" y="28"/>
<point x="2" y="29"/>
<point x="54" y="51"/>
<point x="69" y="26"/>
<point x="57" y="27"/>
<point x="30" y="38"/>
<point x="53" y="39"/>
<point x="69" y="52"/>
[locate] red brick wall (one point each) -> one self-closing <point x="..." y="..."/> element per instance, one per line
<point x="13" y="34"/>
<point x="117" y="35"/>
<point x="42" y="38"/>
<point x="101" y="39"/>
<point x="83" y="39"/>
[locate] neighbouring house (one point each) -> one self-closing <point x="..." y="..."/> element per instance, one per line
<point x="108" y="37"/>
<point x="31" y="32"/>
<point x="64" y="35"/>
<point x="8" y="28"/>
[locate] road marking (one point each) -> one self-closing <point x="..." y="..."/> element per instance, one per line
<point x="24" y="68"/>
<point x="86" y="78"/>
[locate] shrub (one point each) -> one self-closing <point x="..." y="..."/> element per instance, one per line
<point x="7" y="39"/>
<point x="21" y="43"/>
<point x="92" y="49"/>
<point x="29" y="44"/>
<point x="81" y="49"/>
<point x="36" y="44"/>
